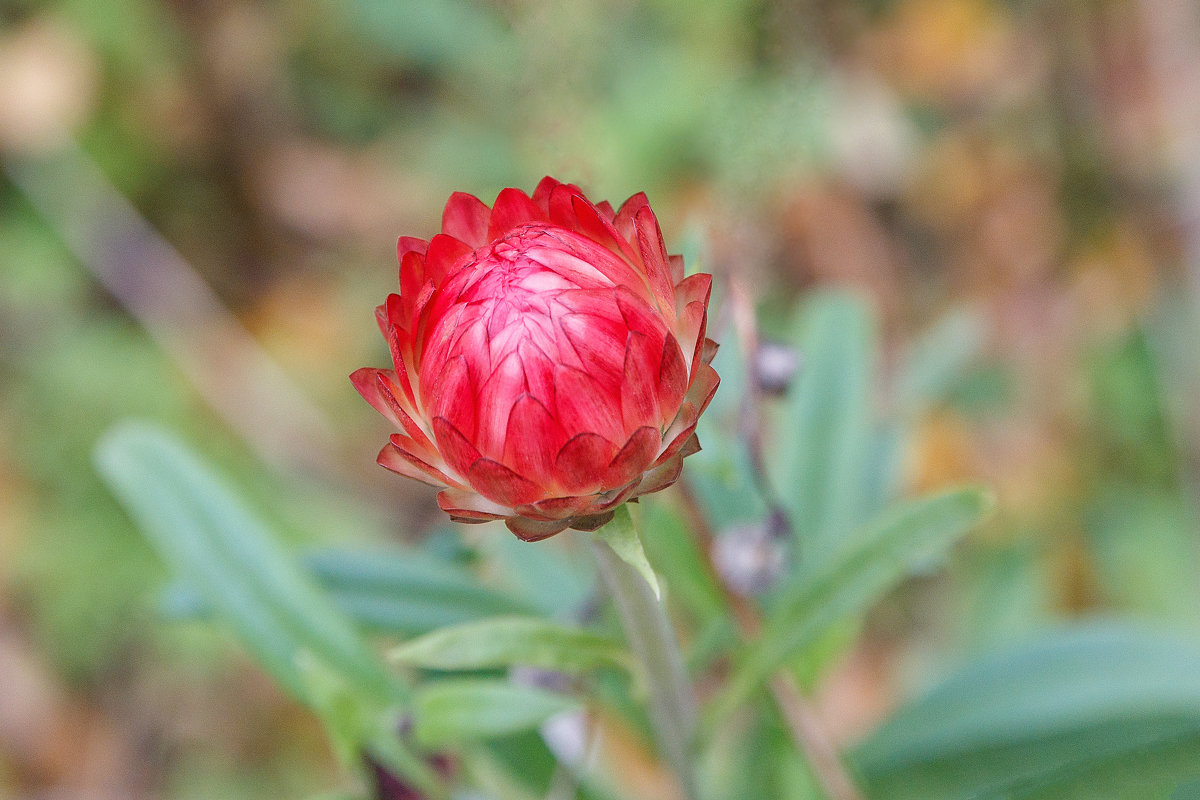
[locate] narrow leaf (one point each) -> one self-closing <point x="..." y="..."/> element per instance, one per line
<point x="396" y="590"/>
<point x="1149" y="769"/>
<point x="1105" y="710"/>
<point x="460" y="710"/>
<point x="212" y="541"/>
<point x="504" y="641"/>
<point x="819" y="458"/>
<point x="216" y="545"/>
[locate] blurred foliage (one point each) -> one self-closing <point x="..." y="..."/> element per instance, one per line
<point x="997" y="179"/>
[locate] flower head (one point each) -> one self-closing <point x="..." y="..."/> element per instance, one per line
<point x="550" y="359"/>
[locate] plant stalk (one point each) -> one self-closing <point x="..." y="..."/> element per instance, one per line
<point x="650" y="636"/>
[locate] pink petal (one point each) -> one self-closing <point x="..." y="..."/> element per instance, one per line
<point x="444" y="252"/>
<point x="681" y="428"/>
<point x="470" y="343"/>
<point x="541" y="195"/>
<point x="539" y="372"/>
<point x="587" y="264"/>
<point x="395" y="459"/>
<point x="412" y="281"/>
<point x="401" y="349"/>
<point x="639" y="398"/>
<point x="555" y="507"/>
<point x="579" y="465"/>
<point x="634" y="457"/>
<point x="455" y="397"/>
<point x="366" y="383"/>
<point x="704" y="386"/>
<point x="403" y="462"/>
<point x="530" y="511"/>
<point x="377" y="388"/>
<point x="532" y="439"/>
<point x="676" y="265"/>
<point x="709" y="352"/>
<point x="420" y="447"/>
<point x="512" y="209"/>
<point x="497" y="482"/>
<point x="381" y="319"/>
<point x="410" y="244"/>
<point x="692" y="289"/>
<point x="592" y="225"/>
<point x="624" y="220"/>
<point x="672" y="378"/>
<point x="639" y="312"/>
<point x="592" y="523"/>
<point x="691" y="309"/>
<point x="606" y="210"/>
<point x="560" y="206"/>
<point x="469" y="504"/>
<point x="389" y="385"/>
<point x="654" y="256"/>
<point x="396" y="331"/>
<point x="661" y="476"/>
<point x="690" y="330"/>
<point x="599" y="341"/>
<point x="458" y="453"/>
<point x="466" y="219"/>
<point x="613" y="498"/>
<point x="528" y="530"/>
<point x="392" y="311"/>
<point x="401" y="380"/>
<point x="586" y="405"/>
<point x="496" y="399"/>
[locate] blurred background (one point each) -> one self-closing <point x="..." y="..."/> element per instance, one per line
<point x="199" y="205"/>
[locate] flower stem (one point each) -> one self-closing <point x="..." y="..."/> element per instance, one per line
<point x="649" y="632"/>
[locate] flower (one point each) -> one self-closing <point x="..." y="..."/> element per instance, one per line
<point x="550" y="360"/>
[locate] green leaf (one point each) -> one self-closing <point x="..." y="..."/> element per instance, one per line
<point x="822" y="443"/>
<point x="621" y="534"/>
<point x="1188" y="790"/>
<point x="1104" y="710"/>
<point x="504" y="641"/>
<point x="401" y="591"/>
<point x="1152" y="769"/>
<point x="458" y="710"/>
<point x="215" y="544"/>
<point x="212" y="541"/>
<point x="874" y="561"/>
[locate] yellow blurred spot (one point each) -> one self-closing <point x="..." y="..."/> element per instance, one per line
<point x="948" y="48"/>
<point x="47" y="86"/>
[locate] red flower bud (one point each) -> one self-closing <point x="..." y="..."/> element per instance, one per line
<point x="550" y="360"/>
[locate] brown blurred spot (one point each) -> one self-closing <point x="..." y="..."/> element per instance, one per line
<point x="831" y="235"/>
<point x="622" y="754"/>
<point x="855" y="697"/>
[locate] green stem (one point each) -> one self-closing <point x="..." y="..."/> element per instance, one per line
<point x="650" y="636"/>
